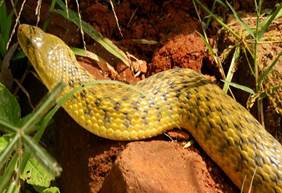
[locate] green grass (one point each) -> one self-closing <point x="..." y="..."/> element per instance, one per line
<point x="246" y="46"/>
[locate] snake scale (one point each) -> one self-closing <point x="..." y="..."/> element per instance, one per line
<point x="226" y="131"/>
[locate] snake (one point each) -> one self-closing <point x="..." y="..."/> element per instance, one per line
<point x="175" y="98"/>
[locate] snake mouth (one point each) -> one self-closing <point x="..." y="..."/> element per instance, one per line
<point x="23" y="37"/>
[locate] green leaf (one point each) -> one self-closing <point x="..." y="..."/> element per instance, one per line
<point x="4" y="140"/>
<point x="36" y="174"/>
<point x="91" y="55"/>
<point x="267" y="22"/>
<point x="47" y="190"/>
<point x="36" y="166"/>
<point x="232" y="69"/>
<point x="243" y="24"/>
<point x="9" y="107"/>
<point x="241" y="87"/>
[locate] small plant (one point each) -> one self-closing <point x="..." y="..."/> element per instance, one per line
<point x="247" y="41"/>
<point x="21" y="156"/>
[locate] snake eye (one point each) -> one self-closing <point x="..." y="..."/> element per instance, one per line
<point x="28" y="42"/>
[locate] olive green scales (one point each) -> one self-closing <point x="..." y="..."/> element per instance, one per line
<point x="226" y="131"/>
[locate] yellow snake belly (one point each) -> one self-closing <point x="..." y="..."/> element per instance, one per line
<point x="182" y="98"/>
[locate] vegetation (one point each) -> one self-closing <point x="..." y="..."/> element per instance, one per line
<point x="246" y="46"/>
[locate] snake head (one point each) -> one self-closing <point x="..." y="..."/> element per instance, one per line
<point x="48" y="54"/>
<point x="31" y="40"/>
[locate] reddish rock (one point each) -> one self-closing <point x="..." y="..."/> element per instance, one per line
<point x="162" y="167"/>
<point x="184" y="50"/>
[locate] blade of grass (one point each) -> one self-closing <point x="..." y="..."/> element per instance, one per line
<point x="204" y="37"/>
<point x="212" y="10"/>
<point x="42" y="155"/>
<point x="267" y="22"/>
<point x="259" y="102"/>
<point x="103" y="64"/>
<point x="45" y="105"/>
<point x="248" y="61"/>
<point x="4" y="156"/>
<point x="268" y="70"/>
<point x="9" y="170"/>
<point x="232" y="69"/>
<point x="8" y="127"/>
<point x="116" y="18"/>
<point x="243" y="24"/>
<point x="220" y="2"/>
<point x="86" y="53"/>
<point x="217" y="19"/>
<point x="213" y="54"/>
<point x="89" y="54"/>
<point x="14" y="187"/>
<point x="79" y="19"/>
<point x="243" y="184"/>
<point x="252" y="180"/>
<point x="6" y="76"/>
<point x="47" y="21"/>
<point x="145" y="41"/>
<point x="88" y="29"/>
<point x="44" y="122"/>
<point x="241" y="87"/>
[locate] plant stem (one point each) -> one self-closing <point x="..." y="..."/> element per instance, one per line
<point x="258" y="87"/>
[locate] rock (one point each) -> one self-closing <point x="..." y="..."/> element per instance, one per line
<point x="184" y="50"/>
<point x="162" y="167"/>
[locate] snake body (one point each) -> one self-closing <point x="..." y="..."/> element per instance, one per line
<point x="226" y="131"/>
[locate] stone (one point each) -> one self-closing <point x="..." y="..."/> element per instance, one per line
<point x="162" y="167"/>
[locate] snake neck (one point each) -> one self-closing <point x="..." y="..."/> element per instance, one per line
<point x="67" y="70"/>
<point x="58" y="68"/>
<point x="52" y="59"/>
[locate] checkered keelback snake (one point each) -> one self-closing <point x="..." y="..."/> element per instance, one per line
<point x="226" y="131"/>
